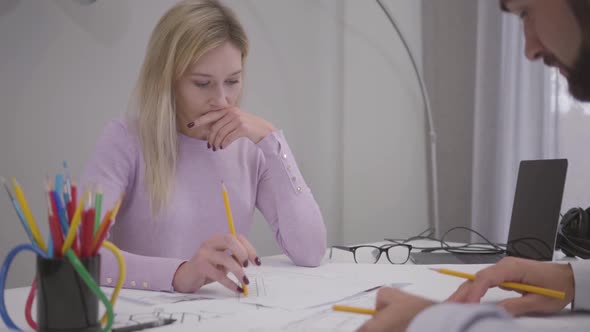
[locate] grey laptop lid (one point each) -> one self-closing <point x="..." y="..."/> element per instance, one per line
<point x="537" y="204"/>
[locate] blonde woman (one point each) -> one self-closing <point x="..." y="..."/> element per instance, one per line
<point x="186" y="135"/>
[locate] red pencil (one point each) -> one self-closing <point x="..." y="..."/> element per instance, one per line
<point x="54" y="227"/>
<point x="91" y="217"/>
<point x="88" y="232"/>
<point x="73" y="202"/>
<point x="53" y="205"/>
<point x="56" y="234"/>
<point x="82" y="233"/>
<point x="71" y="208"/>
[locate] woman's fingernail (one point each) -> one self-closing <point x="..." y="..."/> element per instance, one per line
<point x="208" y="145"/>
<point x="240" y="290"/>
<point x="246" y="281"/>
<point x="190" y="125"/>
<point x="257" y="261"/>
<point x="214" y="148"/>
<point x="246" y="263"/>
<point x="221" y="147"/>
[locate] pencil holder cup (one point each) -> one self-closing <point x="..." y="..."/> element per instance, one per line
<point x="64" y="301"/>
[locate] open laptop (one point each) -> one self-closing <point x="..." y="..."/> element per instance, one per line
<point x="535" y="217"/>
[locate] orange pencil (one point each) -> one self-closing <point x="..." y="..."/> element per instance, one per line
<point x="104" y="226"/>
<point x="101" y="233"/>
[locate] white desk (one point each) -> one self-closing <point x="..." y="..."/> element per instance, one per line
<point x="423" y="282"/>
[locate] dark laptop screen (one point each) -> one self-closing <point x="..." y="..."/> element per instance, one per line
<point x="537" y="203"/>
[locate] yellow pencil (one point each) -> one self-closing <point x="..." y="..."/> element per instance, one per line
<point x="230" y="222"/>
<point x="115" y="210"/>
<point x="509" y="285"/>
<point x="355" y="310"/>
<point x="20" y="197"/>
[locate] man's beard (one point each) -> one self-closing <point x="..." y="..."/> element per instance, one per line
<point x="579" y="75"/>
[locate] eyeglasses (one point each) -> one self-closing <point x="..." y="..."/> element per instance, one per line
<point x="366" y="254"/>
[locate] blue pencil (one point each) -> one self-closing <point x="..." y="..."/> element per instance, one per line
<point x="61" y="213"/>
<point x="49" y="246"/>
<point x="68" y="182"/>
<point x="59" y="186"/>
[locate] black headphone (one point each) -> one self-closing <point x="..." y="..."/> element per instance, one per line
<point x="573" y="233"/>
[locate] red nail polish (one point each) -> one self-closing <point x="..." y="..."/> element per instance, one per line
<point x="246" y="263"/>
<point x="240" y="290"/>
<point x="221" y="147"/>
<point x="257" y="261"/>
<point x="246" y="281"/>
<point x="214" y="149"/>
<point x="190" y="125"/>
<point x="208" y="146"/>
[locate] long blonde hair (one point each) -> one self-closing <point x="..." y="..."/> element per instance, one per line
<point x="187" y="31"/>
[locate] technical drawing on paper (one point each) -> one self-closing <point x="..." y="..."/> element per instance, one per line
<point x="257" y="287"/>
<point x="160" y="313"/>
<point x="186" y="313"/>
<point x="326" y="319"/>
<point x="329" y="319"/>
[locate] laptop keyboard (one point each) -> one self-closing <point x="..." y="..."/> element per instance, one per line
<point x="478" y="259"/>
<point x="448" y="258"/>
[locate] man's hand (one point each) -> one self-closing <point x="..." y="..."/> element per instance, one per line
<point x="548" y="275"/>
<point x="395" y="311"/>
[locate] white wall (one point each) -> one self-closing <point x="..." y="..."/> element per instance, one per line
<point x="329" y="72"/>
<point x="449" y="32"/>
<point x="384" y="157"/>
<point x="291" y="81"/>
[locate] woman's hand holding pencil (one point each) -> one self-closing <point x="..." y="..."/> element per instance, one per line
<point x="213" y="263"/>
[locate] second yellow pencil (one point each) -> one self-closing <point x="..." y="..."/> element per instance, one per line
<point x="20" y="197"/>
<point x="355" y="310"/>
<point x="509" y="285"/>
